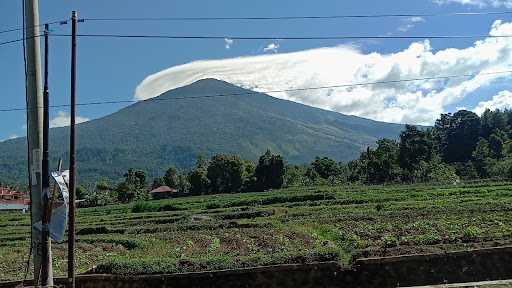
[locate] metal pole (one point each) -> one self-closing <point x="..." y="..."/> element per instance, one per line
<point x="46" y="261"/>
<point x="72" y="154"/>
<point x="34" y="124"/>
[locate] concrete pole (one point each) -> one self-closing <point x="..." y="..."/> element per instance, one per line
<point x="34" y="124"/>
<point x="46" y="248"/>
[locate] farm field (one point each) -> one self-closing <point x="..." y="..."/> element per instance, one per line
<point x="294" y="225"/>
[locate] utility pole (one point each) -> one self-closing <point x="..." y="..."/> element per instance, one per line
<point x="46" y="265"/>
<point x="72" y="155"/>
<point x="34" y="124"/>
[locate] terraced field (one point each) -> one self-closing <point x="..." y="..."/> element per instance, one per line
<point x="294" y="225"/>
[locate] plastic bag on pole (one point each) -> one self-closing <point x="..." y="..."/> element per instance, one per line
<point x="59" y="218"/>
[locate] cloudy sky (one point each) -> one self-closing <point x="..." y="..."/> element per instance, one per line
<point x="122" y="69"/>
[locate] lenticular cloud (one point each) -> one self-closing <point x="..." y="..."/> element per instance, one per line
<point x="417" y="102"/>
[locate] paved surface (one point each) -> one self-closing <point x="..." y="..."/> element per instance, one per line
<point x="490" y="284"/>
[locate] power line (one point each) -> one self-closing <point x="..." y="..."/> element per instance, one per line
<point x="341" y="37"/>
<point x="272" y="91"/>
<point x="61" y="22"/>
<point x="17" y="40"/>
<point x="264" y="38"/>
<point x="307" y="17"/>
<point x="264" y="18"/>
<point x="207" y="37"/>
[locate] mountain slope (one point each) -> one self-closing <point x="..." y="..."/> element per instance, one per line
<point x="175" y="127"/>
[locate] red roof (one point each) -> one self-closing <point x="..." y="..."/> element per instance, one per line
<point x="5" y="191"/>
<point x="163" y="189"/>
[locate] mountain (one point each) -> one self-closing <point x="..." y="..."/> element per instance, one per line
<point x="175" y="127"/>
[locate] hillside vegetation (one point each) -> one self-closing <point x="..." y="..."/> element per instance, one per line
<point x="176" y="127"/>
<point x="294" y="225"/>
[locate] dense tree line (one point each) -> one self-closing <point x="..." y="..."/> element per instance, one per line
<point x="459" y="146"/>
<point x="462" y="145"/>
<point x="221" y="174"/>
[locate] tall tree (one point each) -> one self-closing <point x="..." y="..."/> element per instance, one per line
<point x="497" y="142"/>
<point x="383" y="162"/>
<point x="270" y="171"/>
<point x="325" y="167"/>
<point x="226" y="173"/>
<point x="481" y="155"/>
<point x="199" y="183"/>
<point x="492" y="121"/>
<point x="458" y="135"/>
<point x="416" y="146"/>
<point x="133" y="188"/>
<point x="171" y="177"/>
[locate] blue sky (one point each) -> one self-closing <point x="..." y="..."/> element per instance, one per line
<point x="111" y="69"/>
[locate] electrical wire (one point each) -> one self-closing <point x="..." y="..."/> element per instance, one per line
<point x="199" y="37"/>
<point x="307" y="17"/>
<point x="341" y="37"/>
<point x="268" y="18"/>
<point x="62" y="22"/>
<point x="273" y="91"/>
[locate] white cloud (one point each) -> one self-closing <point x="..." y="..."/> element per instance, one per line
<point x="479" y="3"/>
<point x="272" y="47"/>
<point x="228" y="43"/>
<point x="418" y="102"/>
<point x="501" y="101"/>
<point x="12" y="136"/>
<point x="410" y="23"/>
<point x="63" y="119"/>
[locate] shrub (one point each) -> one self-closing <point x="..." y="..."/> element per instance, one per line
<point x="471" y="233"/>
<point x="389" y="241"/>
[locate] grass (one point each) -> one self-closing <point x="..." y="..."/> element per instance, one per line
<point x="294" y="225"/>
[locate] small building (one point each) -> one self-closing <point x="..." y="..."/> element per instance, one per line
<point x="7" y="194"/>
<point x="11" y="201"/>
<point x="163" y="192"/>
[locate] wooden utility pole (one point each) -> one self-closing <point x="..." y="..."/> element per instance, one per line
<point x="34" y="124"/>
<point x="46" y="261"/>
<point x="72" y="155"/>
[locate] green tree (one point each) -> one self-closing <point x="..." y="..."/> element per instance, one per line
<point x="497" y="142"/>
<point x="102" y="194"/>
<point x="199" y="182"/>
<point x="81" y="192"/>
<point x="133" y="188"/>
<point x="492" y="121"/>
<point x="481" y="155"/>
<point x="270" y="171"/>
<point x="183" y="184"/>
<point x="466" y="170"/>
<point x="357" y="169"/>
<point x="226" y="173"/>
<point x="416" y="146"/>
<point x="442" y="173"/>
<point x="325" y="167"/>
<point x="295" y="176"/>
<point x="382" y="163"/>
<point x="171" y="177"/>
<point x="457" y="135"/>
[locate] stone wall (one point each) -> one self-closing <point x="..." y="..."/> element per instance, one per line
<point x="414" y="270"/>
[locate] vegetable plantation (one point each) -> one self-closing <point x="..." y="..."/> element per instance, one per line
<point x="293" y="225"/>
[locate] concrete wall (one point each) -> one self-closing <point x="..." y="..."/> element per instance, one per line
<point x="467" y="266"/>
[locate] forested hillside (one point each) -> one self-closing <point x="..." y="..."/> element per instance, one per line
<point x="176" y="127"/>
